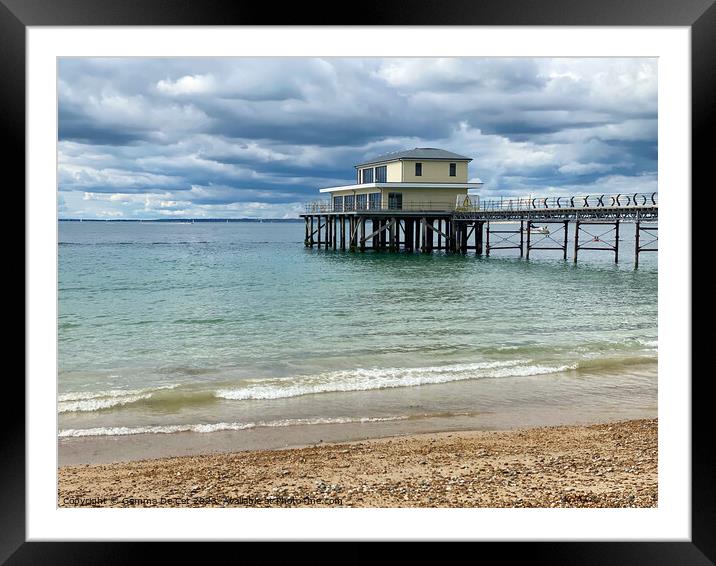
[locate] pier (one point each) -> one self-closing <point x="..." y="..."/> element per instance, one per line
<point x="480" y="225"/>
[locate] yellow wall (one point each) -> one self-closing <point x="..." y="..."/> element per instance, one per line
<point x="395" y="172"/>
<point x="435" y="172"/>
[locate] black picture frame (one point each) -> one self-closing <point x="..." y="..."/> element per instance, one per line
<point x="699" y="15"/>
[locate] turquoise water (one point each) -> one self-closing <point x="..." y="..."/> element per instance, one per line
<point x="205" y="327"/>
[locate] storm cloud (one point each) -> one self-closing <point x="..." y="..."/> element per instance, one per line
<point x="256" y="137"/>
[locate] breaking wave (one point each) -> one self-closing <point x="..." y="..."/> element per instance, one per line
<point x="217" y="427"/>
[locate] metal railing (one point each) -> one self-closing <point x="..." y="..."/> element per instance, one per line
<point x="327" y="207"/>
<point x="609" y="200"/>
<point x="476" y="204"/>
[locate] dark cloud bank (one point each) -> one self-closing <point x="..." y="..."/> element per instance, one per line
<point x="255" y="137"/>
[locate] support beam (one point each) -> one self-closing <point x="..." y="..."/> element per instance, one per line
<point x="354" y="232"/>
<point x="576" y="240"/>
<point x="432" y="228"/>
<point x="381" y="229"/>
<point x="334" y="228"/>
<point x="616" y="243"/>
<point x="487" y="237"/>
<point x="424" y="231"/>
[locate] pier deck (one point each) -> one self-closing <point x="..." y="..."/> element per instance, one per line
<point x="436" y="226"/>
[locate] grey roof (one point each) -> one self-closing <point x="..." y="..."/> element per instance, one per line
<point x="426" y="153"/>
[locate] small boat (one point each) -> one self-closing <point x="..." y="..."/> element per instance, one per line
<point x="540" y="230"/>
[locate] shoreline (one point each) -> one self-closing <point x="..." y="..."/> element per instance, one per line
<point x="611" y="464"/>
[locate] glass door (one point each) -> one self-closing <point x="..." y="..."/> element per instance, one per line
<point x="395" y="201"/>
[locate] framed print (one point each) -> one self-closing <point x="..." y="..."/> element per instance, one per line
<point x="388" y="279"/>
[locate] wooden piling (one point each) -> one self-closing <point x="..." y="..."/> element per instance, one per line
<point x="334" y="228"/>
<point x="529" y="238"/>
<point x="576" y="240"/>
<point x="487" y="240"/>
<point x="616" y="241"/>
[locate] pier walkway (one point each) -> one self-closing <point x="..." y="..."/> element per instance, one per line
<point x="481" y="224"/>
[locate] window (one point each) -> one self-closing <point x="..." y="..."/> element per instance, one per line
<point x="361" y="202"/>
<point x="337" y="204"/>
<point x="453" y="169"/>
<point x="395" y="201"/>
<point x="374" y="201"/>
<point x="368" y="175"/>
<point x="349" y="203"/>
<point x="418" y="169"/>
<point x="381" y="174"/>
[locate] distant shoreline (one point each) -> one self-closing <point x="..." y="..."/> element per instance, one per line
<point x="181" y="220"/>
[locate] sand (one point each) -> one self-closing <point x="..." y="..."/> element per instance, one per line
<point x="603" y="465"/>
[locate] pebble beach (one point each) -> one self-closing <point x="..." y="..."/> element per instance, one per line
<point x="604" y="465"/>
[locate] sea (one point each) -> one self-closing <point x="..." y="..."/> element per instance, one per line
<point x="181" y="338"/>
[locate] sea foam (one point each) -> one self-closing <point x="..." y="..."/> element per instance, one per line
<point x="217" y="427"/>
<point x="81" y="401"/>
<point x="365" y="379"/>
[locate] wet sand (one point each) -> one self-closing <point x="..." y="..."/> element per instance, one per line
<point x="602" y="465"/>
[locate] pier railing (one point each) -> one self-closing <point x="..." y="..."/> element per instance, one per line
<point x="612" y="200"/>
<point x="327" y="207"/>
<point x="476" y="204"/>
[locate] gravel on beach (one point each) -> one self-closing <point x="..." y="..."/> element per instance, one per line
<point x="603" y="465"/>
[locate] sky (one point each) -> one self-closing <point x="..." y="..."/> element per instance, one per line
<point x="143" y="138"/>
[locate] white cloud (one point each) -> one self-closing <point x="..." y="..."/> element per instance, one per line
<point x="188" y="84"/>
